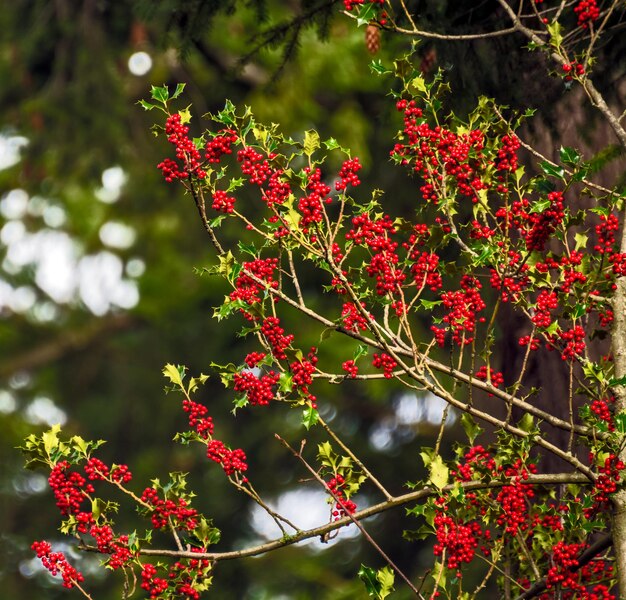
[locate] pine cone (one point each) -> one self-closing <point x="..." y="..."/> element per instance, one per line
<point x="372" y="38"/>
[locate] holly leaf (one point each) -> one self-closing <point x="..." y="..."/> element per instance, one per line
<point x="569" y="156"/>
<point x="471" y="428"/>
<point x="174" y="373"/>
<point x="550" y="169"/>
<point x="310" y="417"/>
<point x="51" y="439"/>
<point x="439" y="472"/>
<point x="194" y="382"/>
<point x="581" y="240"/>
<point x="554" y="29"/>
<point x="418" y="83"/>
<point x="160" y="94"/>
<point x="311" y="141"/>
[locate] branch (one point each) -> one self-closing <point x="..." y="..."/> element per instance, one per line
<point x="596" y="97"/>
<point x="587" y="556"/>
<point x="323" y="530"/>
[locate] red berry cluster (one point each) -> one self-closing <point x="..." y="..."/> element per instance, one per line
<point x="513" y="500"/>
<point x="353" y="320"/>
<point x="476" y="458"/>
<point x="573" y="68"/>
<point x="348" y="174"/>
<point x="437" y="152"/>
<point x="480" y="232"/>
<point x="155" y="586"/>
<point x="254" y="358"/>
<point x="219" y="145"/>
<point x="116" y="547"/>
<point x="542" y="225"/>
<point x="276" y="338"/>
<point x="259" y="390"/>
<point x="96" y="470"/>
<point x="247" y="289"/>
<point x="343" y="507"/>
<point x="278" y="190"/>
<point x="310" y="206"/>
<point x="163" y="510"/>
<point x="463" y="306"/>
<point x="496" y="377"/>
<point x="574" y="340"/>
<point x="606" y="317"/>
<point x="587" y="12"/>
<point x="527" y="340"/>
<point x="84" y="520"/>
<point x="459" y="540"/>
<point x="188" y="574"/>
<point x="232" y="461"/>
<point x="57" y="564"/>
<point x="198" y="418"/>
<point x="600" y="407"/>
<point x="424" y="269"/>
<point x="511" y="286"/>
<point x="222" y="202"/>
<point x="350" y="4"/>
<point x="254" y="165"/>
<point x="606" y="483"/>
<point x="302" y="371"/>
<point x="383" y="264"/>
<point x="507" y="154"/>
<point x="564" y="558"/>
<point x="386" y="363"/>
<point x="350" y="368"/>
<point x="70" y="488"/>
<point x="546" y="302"/>
<point x="606" y="230"/>
<point x="186" y="152"/>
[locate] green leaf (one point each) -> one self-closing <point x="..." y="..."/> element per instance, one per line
<point x="581" y="240"/>
<point x="418" y="83"/>
<point x="194" y="382"/>
<point x="554" y="29"/>
<point x="226" y="263"/>
<point x="379" y="584"/>
<point x="326" y="455"/>
<point x="80" y="444"/>
<point x="539" y="206"/>
<point x="366" y="13"/>
<point x="620" y="422"/>
<point x="527" y="423"/>
<point x="368" y="576"/>
<point x="438" y="472"/>
<point x="51" y="439"/>
<point x="550" y="169"/>
<point x="430" y="304"/>
<point x="147" y="105"/>
<point x="185" y="117"/>
<point x="179" y="90"/>
<point x="471" y="428"/>
<point x="386" y="578"/>
<point x="439" y="574"/>
<point x="174" y="374"/>
<point x="569" y="156"/>
<point x="361" y="350"/>
<point x="160" y="94"/>
<point x="377" y="67"/>
<point x="310" y="417"/>
<point x="311" y="141"/>
<point x="285" y="383"/>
